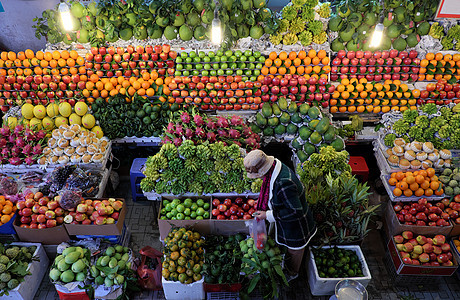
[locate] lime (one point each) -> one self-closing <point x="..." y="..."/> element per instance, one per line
<point x="187" y="212"/>
<point x="200" y="202"/>
<point x="193" y="215"/>
<point x="200" y="211"/>
<point x="180" y="208"/>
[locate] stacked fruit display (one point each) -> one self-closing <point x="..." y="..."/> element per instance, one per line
<point x="54" y="115"/>
<point x="76" y="145"/>
<point x="300" y="23"/>
<point x="424" y="213"/>
<point x="418" y="183"/>
<point x="71" y="265"/>
<point x="200" y="128"/>
<point x="423" y="250"/>
<point x="377" y="65"/>
<point x="239" y="209"/>
<point x="299" y="63"/>
<point x="263" y="262"/>
<point x="112" y="266"/>
<point x="345" y="263"/>
<point x="437" y="66"/>
<point x="187" y="209"/>
<point x="40" y="77"/>
<point x="38" y="211"/>
<point x="201" y="169"/>
<point x="183" y="256"/>
<point x="441" y="93"/>
<point x="450" y="177"/>
<point x="404" y="24"/>
<point x="97" y="212"/>
<point x="430" y="123"/>
<point x="450" y="41"/>
<point x="20" y="145"/>
<point x="305" y="125"/>
<point x="7" y="211"/>
<point x="359" y="95"/>
<point x="14" y="261"/>
<point x="297" y="88"/>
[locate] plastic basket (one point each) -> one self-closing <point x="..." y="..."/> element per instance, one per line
<point x="406" y="280"/>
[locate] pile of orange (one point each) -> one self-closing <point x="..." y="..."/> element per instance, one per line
<point x="457" y="244"/>
<point x="359" y="95"/>
<point x="41" y="63"/>
<point x="297" y="63"/>
<point x="435" y="66"/>
<point x="7" y="210"/>
<point x="419" y="183"/>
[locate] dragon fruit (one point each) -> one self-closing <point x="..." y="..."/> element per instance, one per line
<point x="222" y="122"/>
<point x="12" y="139"/>
<point x="179" y="130"/>
<point x="29" y="135"/>
<point x="200" y="132"/>
<point x="14" y="161"/>
<point x="211" y="136"/>
<point x="18" y="129"/>
<point x="37" y="149"/>
<point x="237" y="143"/>
<point x="251" y="142"/>
<point x="247" y="131"/>
<point x="40" y="134"/>
<point x="170" y="128"/>
<point x="166" y="140"/>
<point x="185" y="117"/>
<point x="29" y="160"/>
<point x="20" y="142"/>
<point x="236" y="121"/>
<point x="15" y="150"/>
<point x="177" y="142"/>
<point x="198" y="120"/>
<point x="211" y="124"/>
<point x="234" y="134"/>
<point x="5" y="152"/>
<point x="27" y="149"/>
<point x="2" y="142"/>
<point x="222" y="133"/>
<point x="5" y="131"/>
<point x="189" y="133"/>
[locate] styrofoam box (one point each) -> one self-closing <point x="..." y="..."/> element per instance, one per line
<point x="326" y="286"/>
<point x="29" y="287"/>
<point x="174" y="290"/>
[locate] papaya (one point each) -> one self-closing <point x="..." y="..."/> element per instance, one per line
<point x="314" y="112"/>
<point x="309" y="148"/>
<point x="267" y="110"/>
<point x="291" y="129"/>
<point x="296" y="144"/>
<point x="280" y="129"/>
<point x="268" y="131"/>
<point x="302" y="156"/>
<point x="273" y="121"/>
<point x="285" y="118"/>
<point x="330" y="134"/>
<point x="313" y="124"/>
<point x="322" y="126"/>
<point x="282" y="103"/>
<point x="256" y="129"/>
<point x="315" y="138"/>
<point x="292" y="108"/>
<point x="303" y="109"/>
<point x="304" y="133"/>
<point x="261" y="120"/>
<point x="276" y="109"/>
<point x="338" y="144"/>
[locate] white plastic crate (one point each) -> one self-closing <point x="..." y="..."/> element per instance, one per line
<point x="326" y="286"/>
<point x="174" y="290"/>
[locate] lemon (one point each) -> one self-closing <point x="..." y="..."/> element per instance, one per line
<point x="27" y="111"/>
<point x="48" y="123"/>
<point x="88" y="121"/>
<point x="65" y="109"/>
<point x="60" y="121"/>
<point x="35" y="123"/>
<point x="98" y="131"/>
<point x="81" y="108"/>
<point x="12" y="122"/>
<point x="74" y="119"/>
<point x="52" y="110"/>
<point x="39" y="111"/>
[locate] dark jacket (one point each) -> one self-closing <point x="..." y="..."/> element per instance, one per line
<point x="294" y="223"/>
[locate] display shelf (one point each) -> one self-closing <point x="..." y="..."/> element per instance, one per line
<point x="152" y="196"/>
<point x="393" y="198"/>
<point x="141" y="141"/>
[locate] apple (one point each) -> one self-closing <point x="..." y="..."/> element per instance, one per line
<point x="408" y="235"/>
<point x="424" y="257"/>
<point x="442" y="258"/>
<point x="407" y="260"/>
<point x="421" y="240"/>
<point x="408" y="247"/>
<point x="100" y="220"/>
<point x="437" y="250"/>
<point x="51" y="223"/>
<point x="341" y="54"/>
<point x="41" y="218"/>
<point x="115" y="215"/>
<point x="418" y="249"/>
<point x="428" y="248"/>
<point x="445" y="247"/>
<point x="439" y="239"/>
<point x="80" y="217"/>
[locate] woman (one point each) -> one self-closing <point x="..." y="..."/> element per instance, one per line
<point x="282" y="202"/>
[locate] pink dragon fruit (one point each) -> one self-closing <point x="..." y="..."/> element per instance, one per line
<point x="170" y="128"/>
<point x="18" y="129"/>
<point x="185" y="117"/>
<point x="14" y="161"/>
<point x="222" y="122"/>
<point x="177" y="141"/>
<point x="234" y="134"/>
<point x="40" y="135"/>
<point x="236" y="120"/>
<point x="198" y="120"/>
<point x="166" y="140"/>
<point x="251" y="143"/>
<point x="179" y="130"/>
<point x="29" y="135"/>
<point x="27" y="149"/>
<point x="5" y="152"/>
<point x="237" y="143"/>
<point x="12" y="139"/>
<point x="3" y="159"/>
<point x="211" y="124"/>
<point x="247" y="131"/>
<point x="20" y="142"/>
<point x="222" y="133"/>
<point x="3" y="142"/>
<point x="5" y="131"/>
<point x="200" y="132"/>
<point x="15" y="150"/>
<point x="29" y="160"/>
<point x="211" y="136"/>
<point x="37" y="149"/>
<point x="188" y="133"/>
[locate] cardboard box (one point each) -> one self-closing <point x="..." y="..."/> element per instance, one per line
<point x="107" y="229"/>
<point x="455" y="229"/>
<point x="394" y="227"/>
<point x="403" y="269"/>
<point x="178" y="291"/>
<point x="29" y="287"/>
<point x="201" y="226"/>
<point x="46" y="236"/>
<point x="326" y="286"/>
<point x="227" y="227"/>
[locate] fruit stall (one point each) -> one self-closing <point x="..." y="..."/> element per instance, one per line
<point x="362" y="97"/>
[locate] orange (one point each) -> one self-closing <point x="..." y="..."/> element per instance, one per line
<point x="264" y="70"/>
<point x="80" y="61"/>
<point x="287" y="63"/>
<point x="273" y="70"/>
<point x="334" y="109"/>
<point x="5" y="219"/>
<point x="419" y="192"/>
<point x="434" y="185"/>
<point x="423" y="173"/>
<point x="408" y="193"/>
<point x="29" y="54"/>
<point x="430" y="172"/>
<point x="392" y="181"/>
<point x="352" y="109"/>
<point x="7" y="209"/>
<point x="438" y="56"/>
<point x="302" y="54"/>
<point x="322" y="54"/>
<point x="410" y="179"/>
<point x="297" y="62"/>
<point x="272" y="55"/>
<point x="307" y="60"/>
<point x="342" y="109"/>
<point x="429" y="192"/>
<point x="399" y="175"/>
<point x="414" y="186"/>
<point x="48" y="56"/>
<point x="281" y="70"/>
<point x="419" y="178"/>
<point x="425" y="185"/>
<point x="397" y="192"/>
<point x="11" y="55"/>
<point x="312" y="53"/>
<point x="268" y="62"/>
<point x="439" y="192"/>
<point x="360" y="109"/>
<point x="283" y="55"/>
<point x="300" y="70"/>
<point x="65" y="54"/>
<point x="429" y="56"/>
<point x="315" y="61"/>
<point x="73" y="54"/>
<point x="292" y="55"/>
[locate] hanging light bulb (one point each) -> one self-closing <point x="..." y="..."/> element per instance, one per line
<point x="377" y="36"/>
<point x="216" y="29"/>
<point x="66" y="18"/>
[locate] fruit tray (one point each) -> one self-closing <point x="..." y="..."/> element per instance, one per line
<point x="393" y="198"/>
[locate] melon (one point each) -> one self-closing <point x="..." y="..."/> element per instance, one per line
<point x="65" y="109"/>
<point x="48" y="123"/>
<point x="35" y="123"/>
<point x="74" y="119"/>
<point x="27" y="111"/>
<point x="88" y="121"/>
<point x="81" y="108"/>
<point x="60" y="121"/>
<point x="39" y="111"/>
<point x="52" y="110"/>
<point x="98" y="131"/>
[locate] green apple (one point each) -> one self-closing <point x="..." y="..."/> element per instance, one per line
<point x="201" y="54"/>
<point x="179" y="59"/>
<point x="224" y="66"/>
<point x="178" y="73"/>
<point x="248" y="52"/>
<point x="180" y="216"/>
<point x="188" y="66"/>
<point x="213" y="73"/>
<point x="256" y="54"/>
<point x="256" y="72"/>
<point x="188" y="60"/>
<point x="239" y="72"/>
<point x="251" y="58"/>
<point x="206" y="215"/>
<point x="179" y="67"/>
<point x="187" y="212"/>
<point x="243" y="58"/>
<point x="206" y="59"/>
<point x="206" y="205"/>
<point x="186" y="73"/>
<point x="193" y="215"/>
<point x="211" y="54"/>
<point x="184" y="54"/>
<point x="229" y="72"/>
<point x="238" y="53"/>
<point x="207" y="66"/>
<point x="194" y="207"/>
<point x="219" y="53"/>
<point x="228" y="53"/>
<point x="195" y="73"/>
<point x="192" y="54"/>
<point x="205" y="73"/>
<point x="180" y="208"/>
<point x="220" y="72"/>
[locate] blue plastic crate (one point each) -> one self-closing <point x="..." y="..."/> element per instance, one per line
<point x="8" y="227"/>
<point x="136" y="176"/>
<point x="115" y="239"/>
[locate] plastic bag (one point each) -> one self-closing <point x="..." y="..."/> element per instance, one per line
<point x="86" y="182"/>
<point x="258" y="232"/>
<point x="69" y="199"/>
<point x="8" y="186"/>
<point x="149" y="270"/>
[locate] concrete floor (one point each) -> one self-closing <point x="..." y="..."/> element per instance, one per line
<point x="384" y="284"/>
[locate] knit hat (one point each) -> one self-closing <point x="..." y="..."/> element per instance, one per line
<point x="257" y="163"/>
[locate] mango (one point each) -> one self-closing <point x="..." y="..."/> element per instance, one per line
<point x="113" y="263"/>
<point x="80" y="276"/>
<point x="67" y="276"/>
<point x="99" y="280"/>
<point x="78" y="266"/>
<point x="72" y="257"/>
<point x="68" y="250"/>
<point x="108" y="282"/>
<point x="62" y="265"/>
<point x="110" y="251"/>
<point x="105" y="261"/>
<point x="55" y="274"/>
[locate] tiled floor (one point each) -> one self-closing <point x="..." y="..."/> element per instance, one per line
<point x="145" y="232"/>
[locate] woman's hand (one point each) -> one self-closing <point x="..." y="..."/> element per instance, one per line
<point x="260" y="214"/>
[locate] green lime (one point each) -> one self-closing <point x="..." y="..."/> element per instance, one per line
<point x="206" y="206"/>
<point x="200" y="202"/>
<point x="180" y="208"/>
<point x="200" y="211"/>
<point x="187" y="212"/>
<point x="193" y="215"/>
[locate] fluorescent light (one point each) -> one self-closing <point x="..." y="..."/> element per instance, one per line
<point x="216" y="31"/>
<point x="66" y="18"/>
<point x="377" y="36"/>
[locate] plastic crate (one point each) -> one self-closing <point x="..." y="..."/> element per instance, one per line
<point x="136" y="176"/>
<point x="222" y="296"/>
<point x="406" y="280"/>
<point x="180" y="291"/>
